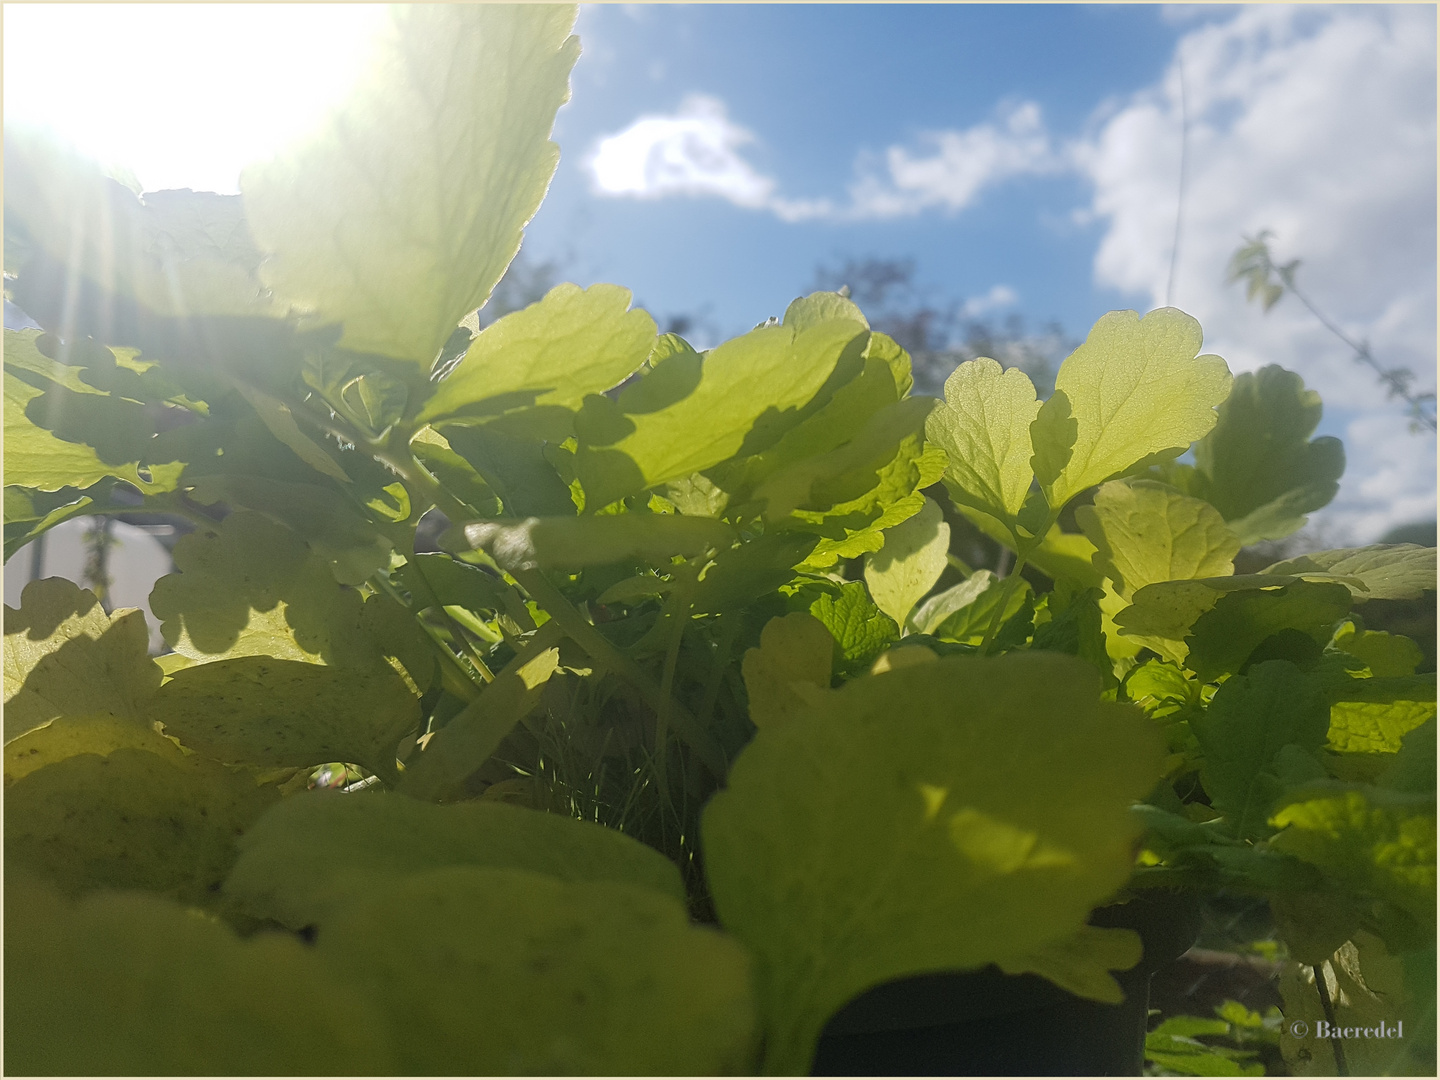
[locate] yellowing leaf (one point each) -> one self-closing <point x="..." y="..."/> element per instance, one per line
<point x="789" y="670"/>
<point x="572" y="343"/>
<point x="911" y="562"/>
<point x="1145" y="532"/>
<point x="984" y="427"/>
<point x="1135" y="387"/>
<point x="400" y="215"/>
<point x="938" y="816"/>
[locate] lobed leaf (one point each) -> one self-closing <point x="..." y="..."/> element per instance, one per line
<point x="860" y="629"/>
<point x="993" y="816"/>
<point x="64" y="656"/>
<point x="789" y="670"/>
<point x="1262" y="470"/>
<point x="399" y="216"/>
<point x="915" y="554"/>
<point x="573" y="343"/>
<point x="1377" y="572"/>
<point x="1145" y="532"/>
<point x="1372" y="716"/>
<point x="1134" y="388"/>
<point x="984" y="427"/>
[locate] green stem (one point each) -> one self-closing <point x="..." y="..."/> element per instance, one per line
<point x="1023" y="549"/>
<point x="677" y="609"/>
<point x="465" y="687"/>
<point x="593" y="642"/>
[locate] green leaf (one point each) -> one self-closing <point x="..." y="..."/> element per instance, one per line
<point x="330" y="523"/>
<point x="464" y="744"/>
<point x="64" y="655"/>
<point x="969" y="624"/>
<point x="139" y="986"/>
<point x="313" y="854"/>
<point x="399" y="216"/>
<point x="1225" y="636"/>
<point x="516" y="468"/>
<point x="52" y="432"/>
<point x="1384" y="654"/>
<point x="860" y="629"/>
<point x="124" y="810"/>
<point x="456" y="475"/>
<point x="790" y="670"/>
<point x="1135" y="388"/>
<point x="750" y="389"/>
<point x="276" y="416"/>
<point x="919" y="836"/>
<point x="1413" y="768"/>
<point x="1262" y="470"/>
<point x="807" y="311"/>
<point x="252" y="587"/>
<point x="1145" y="532"/>
<point x="262" y="711"/>
<point x="1368" y="986"/>
<point x="1082" y="962"/>
<point x="1371" y="716"/>
<point x="930" y="615"/>
<point x="740" y="574"/>
<point x="1061" y="555"/>
<point x="1377" y="572"/>
<point x="570" y="978"/>
<point x="176" y="254"/>
<point x="1376" y="841"/>
<point x="1250" y="720"/>
<point x="573" y="543"/>
<point x="911" y="562"/>
<point x="984" y="427"/>
<point x="573" y="343"/>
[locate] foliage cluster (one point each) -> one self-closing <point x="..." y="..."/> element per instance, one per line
<point x="691" y="732"/>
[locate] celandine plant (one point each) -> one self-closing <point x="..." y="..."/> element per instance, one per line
<point x="693" y="729"/>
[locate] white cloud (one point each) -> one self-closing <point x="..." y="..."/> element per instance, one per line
<point x="1320" y="125"/>
<point x="999" y="296"/>
<point x="696" y="152"/>
<point x="958" y="166"/>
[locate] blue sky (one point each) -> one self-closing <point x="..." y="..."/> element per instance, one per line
<point x="1026" y="157"/>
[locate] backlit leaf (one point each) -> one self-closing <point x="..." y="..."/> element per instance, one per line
<point x="993" y="816"/>
<point x="1372" y="716"/>
<point x="572" y="343"/>
<point x="1377" y="572"/>
<point x="401" y="214"/>
<point x="911" y="562"/>
<point x="1223" y="637"/>
<point x="1135" y="387"/>
<point x="64" y="655"/>
<point x="794" y="649"/>
<point x="984" y="427"/>
<point x="1145" y="532"/>
<point x="749" y="387"/>
<point x="860" y="629"/>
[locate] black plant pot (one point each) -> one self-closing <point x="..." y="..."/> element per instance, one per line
<point x="987" y="1023"/>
